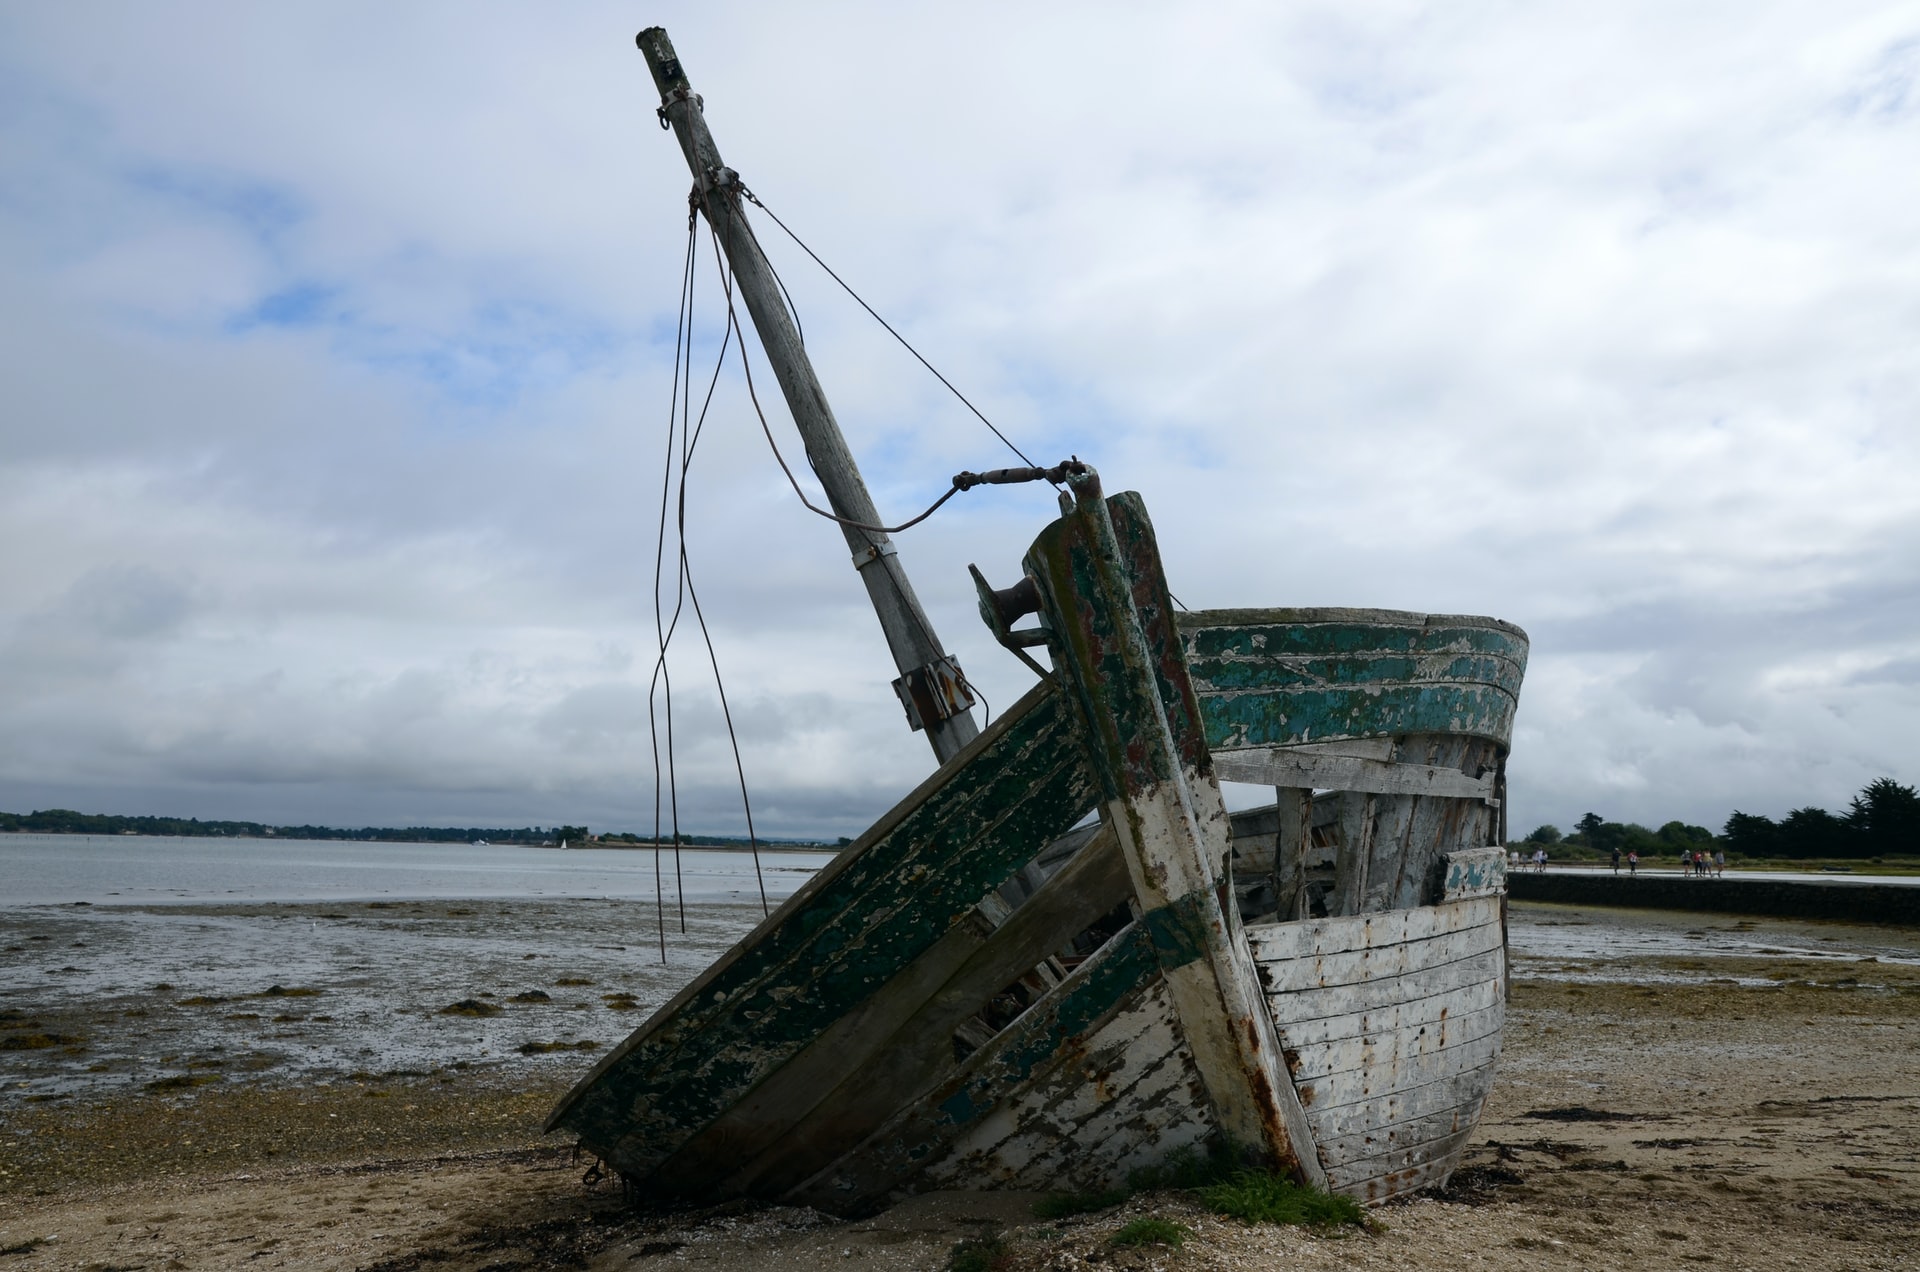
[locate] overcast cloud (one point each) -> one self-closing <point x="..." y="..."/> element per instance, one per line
<point x="336" y="342"/>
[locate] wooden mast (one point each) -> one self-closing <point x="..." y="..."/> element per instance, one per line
<point x="930" y="685"/>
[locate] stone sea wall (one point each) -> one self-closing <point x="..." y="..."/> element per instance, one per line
<point x="1779" y="898"/>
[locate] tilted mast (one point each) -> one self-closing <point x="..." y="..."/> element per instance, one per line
<point x="930" y="684"/>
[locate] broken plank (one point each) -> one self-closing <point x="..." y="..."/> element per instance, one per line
<point x="1049" y="1034"/>
<point x="848" y="1084"/>
<point x="1280" y="766"/>
<point x="878" y="906"/>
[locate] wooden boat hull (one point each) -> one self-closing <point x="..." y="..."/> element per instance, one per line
<point x="977" y="994"/>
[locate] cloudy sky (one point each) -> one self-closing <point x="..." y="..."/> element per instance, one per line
<point x="337" y="341"/>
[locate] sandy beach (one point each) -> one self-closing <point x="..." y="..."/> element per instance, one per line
<point x="1677" y="1091"/>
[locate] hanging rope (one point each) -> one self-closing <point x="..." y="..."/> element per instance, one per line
<point x="685" y="429"/>
<point x="682" y="350"/>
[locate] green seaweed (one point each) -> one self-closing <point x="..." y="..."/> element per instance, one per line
<point x="470" y="1007"/>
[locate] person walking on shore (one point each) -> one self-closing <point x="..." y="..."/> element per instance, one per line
<point x="1633" y="864"/>
<point x="1616" y="860"/>
<point x="1719" y="862"/>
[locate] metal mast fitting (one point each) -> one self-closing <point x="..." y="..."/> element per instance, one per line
<point x="930" y="686"/>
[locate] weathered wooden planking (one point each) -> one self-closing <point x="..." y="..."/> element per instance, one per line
<point x="1381" y="963"/>
<point x="1387" y="1049"/>
<point x="1049" y="1034"/>
<point x="1374" y="1080"/>
<point x="1385" y="1149"/>
<point x="875" y="909"/>
<point x="1437" y="827"/>
<point x="1424" y="1008"/>
<point x="900" y="1043"/>
<point x="1285" y="767"/>
<point x="1392" y="1025"/>
<point x="1391" y="1172"/>
<point x="1317" y="938"/>
<point x="1266" y="678"/>
<point x="1449" y="1092"/>
<point x="1475" y="872"/>
<point x="1308" y="646"/>
<point x="1108" y="618"/>
<point x="847" y="1080"/>
<point x="1344" y="1000"/>
<point x="1132" y="1098"/>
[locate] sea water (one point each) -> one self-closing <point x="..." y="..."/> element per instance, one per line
<point x="131" y="960"/>
<point x="128" y="869"/>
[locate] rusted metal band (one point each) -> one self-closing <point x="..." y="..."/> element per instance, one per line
<point x="873" y="552"/>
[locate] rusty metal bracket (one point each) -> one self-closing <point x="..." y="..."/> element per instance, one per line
<point x="935" y="692"/>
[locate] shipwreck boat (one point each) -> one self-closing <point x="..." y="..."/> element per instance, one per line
<point x="1061" y="958"/>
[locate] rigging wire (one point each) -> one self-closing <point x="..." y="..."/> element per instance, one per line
<point x="687" y="430"/>
<point x="733" y="323"/>
<point x="724" y="260"/>
<point x="753" y="198"/>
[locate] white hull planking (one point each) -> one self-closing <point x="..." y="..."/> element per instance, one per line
<point x="1391" y="1026"/>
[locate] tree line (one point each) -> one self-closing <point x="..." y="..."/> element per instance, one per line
<point x="65" y="821"/>
<point x="1882" y="821"/>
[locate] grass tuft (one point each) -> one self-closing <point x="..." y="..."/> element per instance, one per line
<point x="984" y="1254"/>
<point x="1261" y="1197"/>
<point x="1150" y="1231"/>
<point x="1062" y="1205"/>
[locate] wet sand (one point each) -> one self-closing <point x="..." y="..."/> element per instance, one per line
<point x="1677" y="1091"/>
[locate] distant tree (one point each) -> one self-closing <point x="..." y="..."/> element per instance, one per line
<point x="1543" y="835"/>
<point x="570" y="834"/>
<point x="1815" y="832"/>
<point x="1752" y="835"/>
<point x="1637" y="838"/>
<point x="1589" y="826"/>
<point x="1885" y="819"/>
<point x="1678" y="834"/>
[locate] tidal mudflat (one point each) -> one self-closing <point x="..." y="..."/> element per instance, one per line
<point x="105" y="999"/>
<point x="1677" y="1091"/>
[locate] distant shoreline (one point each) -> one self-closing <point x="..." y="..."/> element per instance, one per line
<point x="781" y="845"/>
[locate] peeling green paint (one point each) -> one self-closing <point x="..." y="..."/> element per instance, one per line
<point x="1288" y="677"/>
<point x="1293" y="717"/>
<point x="1023" y="1054"/>
<point x="881" y="904"/>
<point x="1181" y="931"/>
